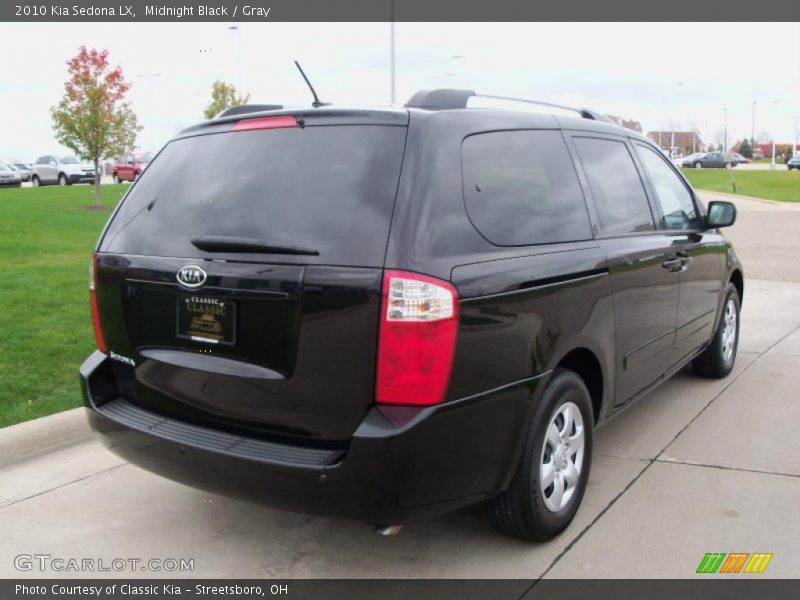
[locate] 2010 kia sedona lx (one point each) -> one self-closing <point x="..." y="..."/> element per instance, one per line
<point x="389" y="314"/>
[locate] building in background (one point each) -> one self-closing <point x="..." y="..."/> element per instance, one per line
<point x="677" y="143"/>
<point x="626" y="123"/>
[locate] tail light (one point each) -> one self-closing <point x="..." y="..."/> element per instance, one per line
<point x="417" y="339"/>
<point x="98" y="327"/>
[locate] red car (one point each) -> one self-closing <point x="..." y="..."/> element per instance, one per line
<point x="129" y="166"/>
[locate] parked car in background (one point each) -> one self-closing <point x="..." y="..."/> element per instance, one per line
<point x="713" y="160"/>
<point x="23" y="170"/>
<point x="758" y="155"/>
<point x="688" y="161"/>
<point x="129" y="166"/>
<point x="740" y="160"/>
<point x="50" y="170"/>
<point x="9" y="176"/>
<point x="515" y="279"/>
<point x="793" y="163"/>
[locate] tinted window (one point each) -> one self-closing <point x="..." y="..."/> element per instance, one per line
<point x="330" y="189"/>
<point x="616" y="186"/>
<point x="675" y="200"/>
<point x="521" y="188"/>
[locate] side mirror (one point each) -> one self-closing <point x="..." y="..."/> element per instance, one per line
<point x="720" y="214"/>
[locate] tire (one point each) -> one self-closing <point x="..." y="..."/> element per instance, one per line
<point x="35" y="181"/>
<point x="698" y="165"/>
<point x="62" y="180"/>
<point x="717" y="360"/>
<point x="525" y="510"/>
<point x="135" y="176"/>
<point x="728" y="165"/>
<point x="115" y="177"/>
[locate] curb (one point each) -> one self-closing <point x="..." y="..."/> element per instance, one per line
<point x="704" y="192"/>
<point x="41" y="436"/>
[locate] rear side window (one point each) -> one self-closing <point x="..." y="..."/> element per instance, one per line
<point x="616" y="186"/>
<point x="521" y="188"/>
<point x="326" y="188"/>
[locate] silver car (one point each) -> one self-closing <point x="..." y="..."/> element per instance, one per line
<point x="9" y="176"/>
<point x="62" y="171"/>
<point x="24" y="170"/>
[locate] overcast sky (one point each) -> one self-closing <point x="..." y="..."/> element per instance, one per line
<point x="659" y="74"/>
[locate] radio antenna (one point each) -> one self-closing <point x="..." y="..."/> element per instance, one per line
<point x="316" y="103"/>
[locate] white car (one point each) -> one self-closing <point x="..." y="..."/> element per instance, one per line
<point x="49" y="170"/>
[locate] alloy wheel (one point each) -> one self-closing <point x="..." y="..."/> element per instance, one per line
<point x="729" y="330"/>
<point x="562" y="457"/>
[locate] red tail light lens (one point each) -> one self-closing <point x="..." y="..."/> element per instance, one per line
<point x="98" y="327"/>
<point x="265" y="123"/>
<point x="417" y="339"/>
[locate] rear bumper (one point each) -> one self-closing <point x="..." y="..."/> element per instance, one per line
<point x="402" y="463"/>
<point x="81" y="178"/>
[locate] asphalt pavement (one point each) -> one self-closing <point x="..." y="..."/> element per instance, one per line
<point x="698" y="466"/>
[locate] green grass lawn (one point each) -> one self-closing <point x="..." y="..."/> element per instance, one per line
<point x="46" y="240"/>
<point x="772" y="185"/>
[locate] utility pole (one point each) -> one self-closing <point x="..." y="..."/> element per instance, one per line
<point x="753" y="130"/>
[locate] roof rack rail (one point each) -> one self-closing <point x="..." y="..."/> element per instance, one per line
<point x="444" y="99"/>
<point x="248" y="108"/>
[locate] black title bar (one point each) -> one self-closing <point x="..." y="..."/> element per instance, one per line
<point x="397" y="10"/>
<point x="707" y="588"/>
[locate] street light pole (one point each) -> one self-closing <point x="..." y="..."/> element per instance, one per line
<point x="238" y="31"/>
<point x="725" y="132"/>
<point x="774" y="102"/>
<point x="392" y="89"/>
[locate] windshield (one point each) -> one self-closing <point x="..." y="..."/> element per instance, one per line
<point x="329" y="188"/>
<point x="69" y="160"/>
<point x="145" y="157"/>
<point x="5" y="167"/>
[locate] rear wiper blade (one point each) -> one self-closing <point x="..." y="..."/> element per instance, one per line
<point x="221" y="243"/>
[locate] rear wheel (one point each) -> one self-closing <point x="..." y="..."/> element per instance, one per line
<point x="135" y="175"/>
<point x="728" y="165"/>
<point x="717" y="360"/>
<point x="62" y="179"/>
<point x="115" y="177"/>
<point x="35" y="181"/>
<point x="698" y="165"/>
<point x="551" y="477"/>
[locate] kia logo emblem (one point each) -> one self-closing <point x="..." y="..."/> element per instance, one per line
<point x="191" y="276"/>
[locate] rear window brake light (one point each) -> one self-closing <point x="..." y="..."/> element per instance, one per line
<point x="265" y="123"/>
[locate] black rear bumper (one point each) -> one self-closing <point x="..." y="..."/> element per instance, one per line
<point x="401" y="463"/>
<point x="81" y="178"/>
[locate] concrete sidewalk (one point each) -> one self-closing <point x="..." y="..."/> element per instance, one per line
<point x="698" y="466"/>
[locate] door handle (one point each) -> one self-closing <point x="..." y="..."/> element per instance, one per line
<point x="673" y="265"/>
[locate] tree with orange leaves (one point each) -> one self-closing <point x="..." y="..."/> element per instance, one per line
<point x="94" y="119"/>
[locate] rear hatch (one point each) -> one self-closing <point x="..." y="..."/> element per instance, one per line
<point x="242" y="273"/>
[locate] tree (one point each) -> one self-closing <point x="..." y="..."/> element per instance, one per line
<point x="93" y="118"/>
<point x="746" y="149"/>
<point x="223" y="95"/>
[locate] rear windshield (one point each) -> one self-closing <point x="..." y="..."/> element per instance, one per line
<point x="327" y="188"/>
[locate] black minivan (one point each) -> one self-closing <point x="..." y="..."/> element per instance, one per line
<point x="388" y="314"/>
